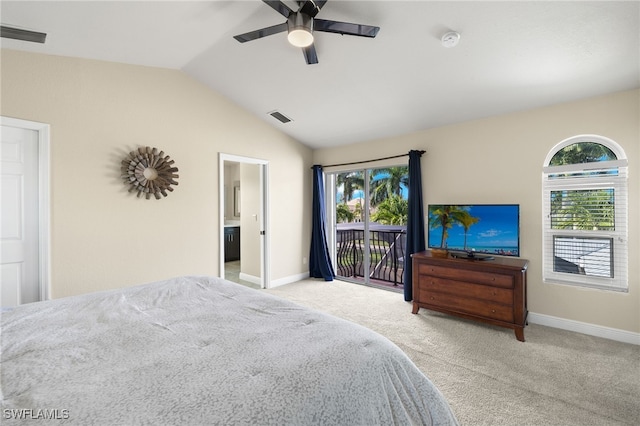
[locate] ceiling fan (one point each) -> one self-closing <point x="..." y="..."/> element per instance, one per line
<point x="20" y="34"/>
<point x="301" y="24"/>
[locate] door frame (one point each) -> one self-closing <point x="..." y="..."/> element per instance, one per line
<point x="264" y="213"/>
<point x="330" y="211"/>
<point x="332" y="223"/>
<point x="44" y="198"/>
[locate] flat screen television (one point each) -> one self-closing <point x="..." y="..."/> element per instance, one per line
<point x="475" y="230"/>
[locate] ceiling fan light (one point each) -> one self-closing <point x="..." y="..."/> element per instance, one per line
<point x="300" y="28"/>
<point x="300" y="37"/>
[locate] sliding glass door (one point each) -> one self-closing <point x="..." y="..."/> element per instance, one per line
<point x="367" y="219"/>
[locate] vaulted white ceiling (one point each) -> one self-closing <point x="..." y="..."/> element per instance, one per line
<point x="512" y="56"/>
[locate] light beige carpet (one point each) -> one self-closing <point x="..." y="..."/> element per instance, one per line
<point x="556" y="377"/>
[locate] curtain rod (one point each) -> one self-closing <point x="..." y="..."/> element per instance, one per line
<point x="370" y="161"/>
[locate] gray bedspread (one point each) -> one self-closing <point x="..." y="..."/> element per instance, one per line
<point x="203" y="351"/>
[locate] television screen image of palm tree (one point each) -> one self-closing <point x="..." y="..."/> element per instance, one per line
<point x="482" y="228"/>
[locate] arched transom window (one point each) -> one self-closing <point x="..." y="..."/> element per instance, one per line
<point x="585" y="213"/>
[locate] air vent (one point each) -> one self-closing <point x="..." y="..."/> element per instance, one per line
<point x="280" y="117"/>
<point x="20" y="34"/>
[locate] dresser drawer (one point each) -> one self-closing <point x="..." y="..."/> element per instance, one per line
<point x="475" y="291"/>
<point x="493" y="279"/>
<point x="468" y="305"/>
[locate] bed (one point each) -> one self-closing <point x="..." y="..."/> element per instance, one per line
<point x="202" y="350"/>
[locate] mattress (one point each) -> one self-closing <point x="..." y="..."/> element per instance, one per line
<point x="204" y="351"/>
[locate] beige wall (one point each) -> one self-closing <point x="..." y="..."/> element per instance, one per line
<point x="102" y="237"/>
<point x="499" y="160"/>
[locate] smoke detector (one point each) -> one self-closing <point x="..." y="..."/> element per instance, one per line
<point x="450" y="39"/>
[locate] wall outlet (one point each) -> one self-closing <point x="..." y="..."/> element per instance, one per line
<point x="304" y="260"/>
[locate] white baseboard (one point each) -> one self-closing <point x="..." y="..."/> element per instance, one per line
<point x="250" y="278"/>
<point x="276" y="283"/>
<point x="288" y="280"/>
<point x="585" y="328"/>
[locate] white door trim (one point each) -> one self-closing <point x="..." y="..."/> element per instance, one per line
<point x="264" y="203"/>
<point x="44" y="197"/>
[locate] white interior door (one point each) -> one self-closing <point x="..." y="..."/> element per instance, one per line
<point x="251" y="224"/>
<point x="20" y="229"/>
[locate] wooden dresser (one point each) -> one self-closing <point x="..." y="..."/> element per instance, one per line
<point x="491" y="291"/>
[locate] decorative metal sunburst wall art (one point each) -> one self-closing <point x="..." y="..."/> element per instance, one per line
<point x="149" y="172"/>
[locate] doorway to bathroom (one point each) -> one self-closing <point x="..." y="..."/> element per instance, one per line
<point x="243" y="220"/>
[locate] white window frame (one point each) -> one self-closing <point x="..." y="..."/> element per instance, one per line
<point x="619" y="236"/>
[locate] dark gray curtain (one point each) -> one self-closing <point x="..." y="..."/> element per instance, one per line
<point x="319" y="261"/>
<point x="415" y="221"/>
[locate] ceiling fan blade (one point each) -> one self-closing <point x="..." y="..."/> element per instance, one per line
<point x="24" y="35"/>
<point x="263" y="32"/>
<point x="310" y="54"/>
<point x="311" y="7"/>
<point x="345" y="28"/>
<point x="279" y="7"/>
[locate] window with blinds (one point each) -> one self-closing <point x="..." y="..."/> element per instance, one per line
<point x="585" y="214"/>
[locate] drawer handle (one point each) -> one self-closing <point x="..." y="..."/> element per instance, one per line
<point x="493" y="311"/>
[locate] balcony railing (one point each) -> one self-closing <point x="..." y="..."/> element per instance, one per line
<point x="386" y="247"/>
